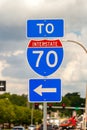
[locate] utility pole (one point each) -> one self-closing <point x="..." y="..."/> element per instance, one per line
<point x="85" y="49"/>
<point x="85" y="109"/>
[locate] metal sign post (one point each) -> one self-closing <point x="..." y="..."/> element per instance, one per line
<point x="45" y="116"/>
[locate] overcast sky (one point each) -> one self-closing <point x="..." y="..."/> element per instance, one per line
<point x="13" y="42"/>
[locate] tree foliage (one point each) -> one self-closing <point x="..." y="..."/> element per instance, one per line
<point x="16" y="110"/>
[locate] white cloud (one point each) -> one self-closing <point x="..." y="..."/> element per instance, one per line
<point x="18" y="52"/>
<point x="69" y="73"/>
<point x="2" y="2"/>
<point x="3" y="65"/>
<point x="33" y="3"/>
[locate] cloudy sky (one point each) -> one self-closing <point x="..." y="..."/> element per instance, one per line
<point x="13" y="42"/>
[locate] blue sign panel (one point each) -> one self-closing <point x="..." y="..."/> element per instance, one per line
<point x="45" y="56"/>
<point x="44" y="90"/>
<point x="45" y="28"/>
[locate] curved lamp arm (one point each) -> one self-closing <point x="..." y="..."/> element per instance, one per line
<point x="76" y="43"/>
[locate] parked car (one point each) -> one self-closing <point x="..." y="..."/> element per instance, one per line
<point x="18" y="128"/>
<point x="49" y="127"/>
<point x="32" y="127"/>
<point x="54" y="122"/>
<point x="55" y="127"/>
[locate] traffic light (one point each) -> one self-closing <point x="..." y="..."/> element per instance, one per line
<point x="36" y="106"/>
<point x="63" y="106"/>
<point x="50" y="105"/>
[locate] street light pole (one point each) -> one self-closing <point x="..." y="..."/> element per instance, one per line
<point x="85" y="109"/>
<point x="81" y="45"/>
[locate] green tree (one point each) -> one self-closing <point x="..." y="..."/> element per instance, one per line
<point x="20" y="100"/>
<point x="75" y="99"/>
<point x="37" y="116"/>
<point x="6" y="111"/>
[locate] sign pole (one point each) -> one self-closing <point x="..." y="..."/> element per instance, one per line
<point x="45" y="116"/>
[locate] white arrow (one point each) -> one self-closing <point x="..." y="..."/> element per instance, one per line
<point x="39" y="90"/>
<point x="1" y="86"/>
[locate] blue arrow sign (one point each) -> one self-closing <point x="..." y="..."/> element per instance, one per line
<point x="44" y="90"/>
<point x="45" y="28"/>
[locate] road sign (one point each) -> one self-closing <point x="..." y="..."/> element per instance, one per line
<point x="45" y="28"/>
<point x="45" y="56"/>
<point x="44" y="90"/>
<point x="2" y="85"/>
